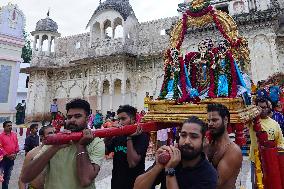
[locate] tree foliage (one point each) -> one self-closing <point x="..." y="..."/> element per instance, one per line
<point x="26" y="50"/>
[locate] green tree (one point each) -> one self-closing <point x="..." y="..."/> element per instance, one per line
<point x="26" y="50"/>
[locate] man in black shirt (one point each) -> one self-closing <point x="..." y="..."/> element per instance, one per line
<point x="129" y="151"/>
<point x="187" y="168"/>
<point x="32" y="140"/>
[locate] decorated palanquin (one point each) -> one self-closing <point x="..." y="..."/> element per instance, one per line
<point x="216" y="73"/>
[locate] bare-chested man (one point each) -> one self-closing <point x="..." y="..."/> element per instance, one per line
<point x="224" y="155"/>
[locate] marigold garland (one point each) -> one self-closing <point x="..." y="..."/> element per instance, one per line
<point x="199" y="8"/>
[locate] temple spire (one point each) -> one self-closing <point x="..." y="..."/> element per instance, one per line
<point x="48" y="12"/>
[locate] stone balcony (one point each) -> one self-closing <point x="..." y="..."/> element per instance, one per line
<point x="99" y="48"/>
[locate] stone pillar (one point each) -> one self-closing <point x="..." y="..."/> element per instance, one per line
<point x="133" y="91"/>
<point x="111" y="92"/>
<point x="123" y="90"/>
<point x="113" y="29"/>
<point x="35" y="41"/>
<point x="99" y="101"/>
<point x="102" y="31"/>
<point x="55" y="42"/>
<point x="49" y="43"/>
<point x="252" y="72"/>
<point x="274" y="51"/>
<point x="40" y="43"/>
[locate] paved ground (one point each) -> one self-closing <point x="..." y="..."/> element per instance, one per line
<point x="104" y="177"/>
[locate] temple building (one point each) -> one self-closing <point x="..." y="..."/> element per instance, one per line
<point x="12" y="23"/>
<point x="120" y="59"/>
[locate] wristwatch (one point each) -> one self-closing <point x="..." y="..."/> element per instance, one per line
<point x="170" y="172"/>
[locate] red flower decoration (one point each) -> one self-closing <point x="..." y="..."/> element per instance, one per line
<point x="199" y="14"/>
<point x="182" y="80"/>
<point x="211" y="93"/>
<point x="233" y="74"/>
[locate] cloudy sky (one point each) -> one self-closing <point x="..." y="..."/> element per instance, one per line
<point x="72" y="16"/>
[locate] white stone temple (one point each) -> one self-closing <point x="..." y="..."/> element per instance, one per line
<point x="12" y="23"/>
<point x="120" y="59"/>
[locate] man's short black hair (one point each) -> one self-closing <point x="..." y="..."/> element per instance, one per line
<point x="42" y="129"/>
<point x="6" y="122"/>
<point x="261" y="100"/>
<point x="33" y="126"/>
<point x="129" y="110"/>
<point x="196" y="120"/>
<point x="79" y="103"/>
<point x="221" y="109"/>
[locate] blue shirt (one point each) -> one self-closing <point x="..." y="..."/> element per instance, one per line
<point x="53" y="108"/>
<point x="274" y="93"/>
<point x="262" y="93"/>
<point x="279" y="118"/>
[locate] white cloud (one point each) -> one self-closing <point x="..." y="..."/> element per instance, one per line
<point x="72" y="16"/>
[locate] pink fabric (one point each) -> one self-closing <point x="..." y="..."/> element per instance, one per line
<point x="9" y="143"/>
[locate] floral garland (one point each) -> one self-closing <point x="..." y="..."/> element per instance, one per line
<point x="193" y="69"/>
<point x="212" y="86"/>
<point x="167" y="69"/>
<point x="167" y="76"/>
<point x="234" y="88"/>
<point x="182" y="82"/>
<point x="176" y="81"/>
<point x="183" y="31"/>
<point x="258" y="170"/>
<point x="259" y="174"/>
<point x="199" y="13"/>
<point x="220" y="28"/>
<point x="198" y="8"/>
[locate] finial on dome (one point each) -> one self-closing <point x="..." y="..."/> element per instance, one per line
<point x="48" y="12"/>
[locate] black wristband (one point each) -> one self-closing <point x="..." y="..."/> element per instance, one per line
<point x="170" y="172"/>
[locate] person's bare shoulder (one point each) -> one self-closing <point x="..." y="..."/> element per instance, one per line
<point x="235" y="153"/>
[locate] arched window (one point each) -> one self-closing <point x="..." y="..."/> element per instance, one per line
<point x="96" y="31"/>
<point x="106" y="86"/>
<point x="118" y="32"/>
<point x="44" y="43"/>
<point x="223" y="7"/>
<point x="107" y="29"/>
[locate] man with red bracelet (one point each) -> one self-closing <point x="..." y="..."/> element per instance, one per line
<point x="73" y="166"/>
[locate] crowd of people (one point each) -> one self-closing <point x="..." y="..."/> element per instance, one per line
<point x="76" y="165"/>
<point x="273" y="92"/>
<point x="201" y="154"/>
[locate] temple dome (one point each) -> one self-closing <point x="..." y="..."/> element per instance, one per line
<point x="121" y="6"/>
<point x="46" y="24"/>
